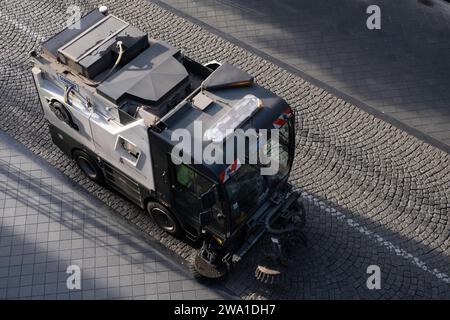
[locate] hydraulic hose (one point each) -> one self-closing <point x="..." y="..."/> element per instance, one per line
<point x="119" y="58"/>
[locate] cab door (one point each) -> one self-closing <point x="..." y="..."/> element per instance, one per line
<point x="188" y="186"/>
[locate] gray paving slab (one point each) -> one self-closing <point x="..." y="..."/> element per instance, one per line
<point x="48" y="224"/>
<point x="401" y="70"/>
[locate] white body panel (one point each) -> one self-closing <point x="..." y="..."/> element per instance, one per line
<point x="99" y="129"/>
<point x="108" y="136"/>
<point x="49" y="89"/>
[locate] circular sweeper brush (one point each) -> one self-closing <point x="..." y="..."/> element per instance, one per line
<point x="267" y="274"/>
<point x="203" y="269"/>
<point x="272" y="268"/>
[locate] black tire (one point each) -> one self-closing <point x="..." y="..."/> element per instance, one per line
<point x="164" y="218"/>
<point x="89" y="166"/>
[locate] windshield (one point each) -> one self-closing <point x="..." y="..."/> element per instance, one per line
<point x="247" y="189"/>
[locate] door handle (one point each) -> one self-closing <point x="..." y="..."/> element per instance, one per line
<point x="164" y="177"/>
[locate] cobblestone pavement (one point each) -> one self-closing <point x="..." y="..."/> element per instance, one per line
<point x="48" y="224"/>
<point x="401" y="70"/>
<point x="375" y="195"/>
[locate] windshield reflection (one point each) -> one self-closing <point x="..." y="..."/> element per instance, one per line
<point x="247" y="189"/>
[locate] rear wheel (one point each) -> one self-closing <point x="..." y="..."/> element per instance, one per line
<point x="164" y="218"/>
<point x="89" y="166"/>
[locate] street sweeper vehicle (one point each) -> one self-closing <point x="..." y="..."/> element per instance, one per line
<point x="138" y="116"/>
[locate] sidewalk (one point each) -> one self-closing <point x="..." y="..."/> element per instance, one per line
<point x="48" y="224"/>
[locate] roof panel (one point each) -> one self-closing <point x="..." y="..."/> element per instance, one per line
<point x="148" y="77"/>
<point x="68" y="34"/>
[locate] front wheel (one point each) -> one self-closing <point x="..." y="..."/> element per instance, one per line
<point x="89" y="166"/>
<point x="164" y="218"/>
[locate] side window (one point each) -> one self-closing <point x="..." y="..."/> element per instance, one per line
<point x="192" y="181"/>
<point x="185" y="176"/>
